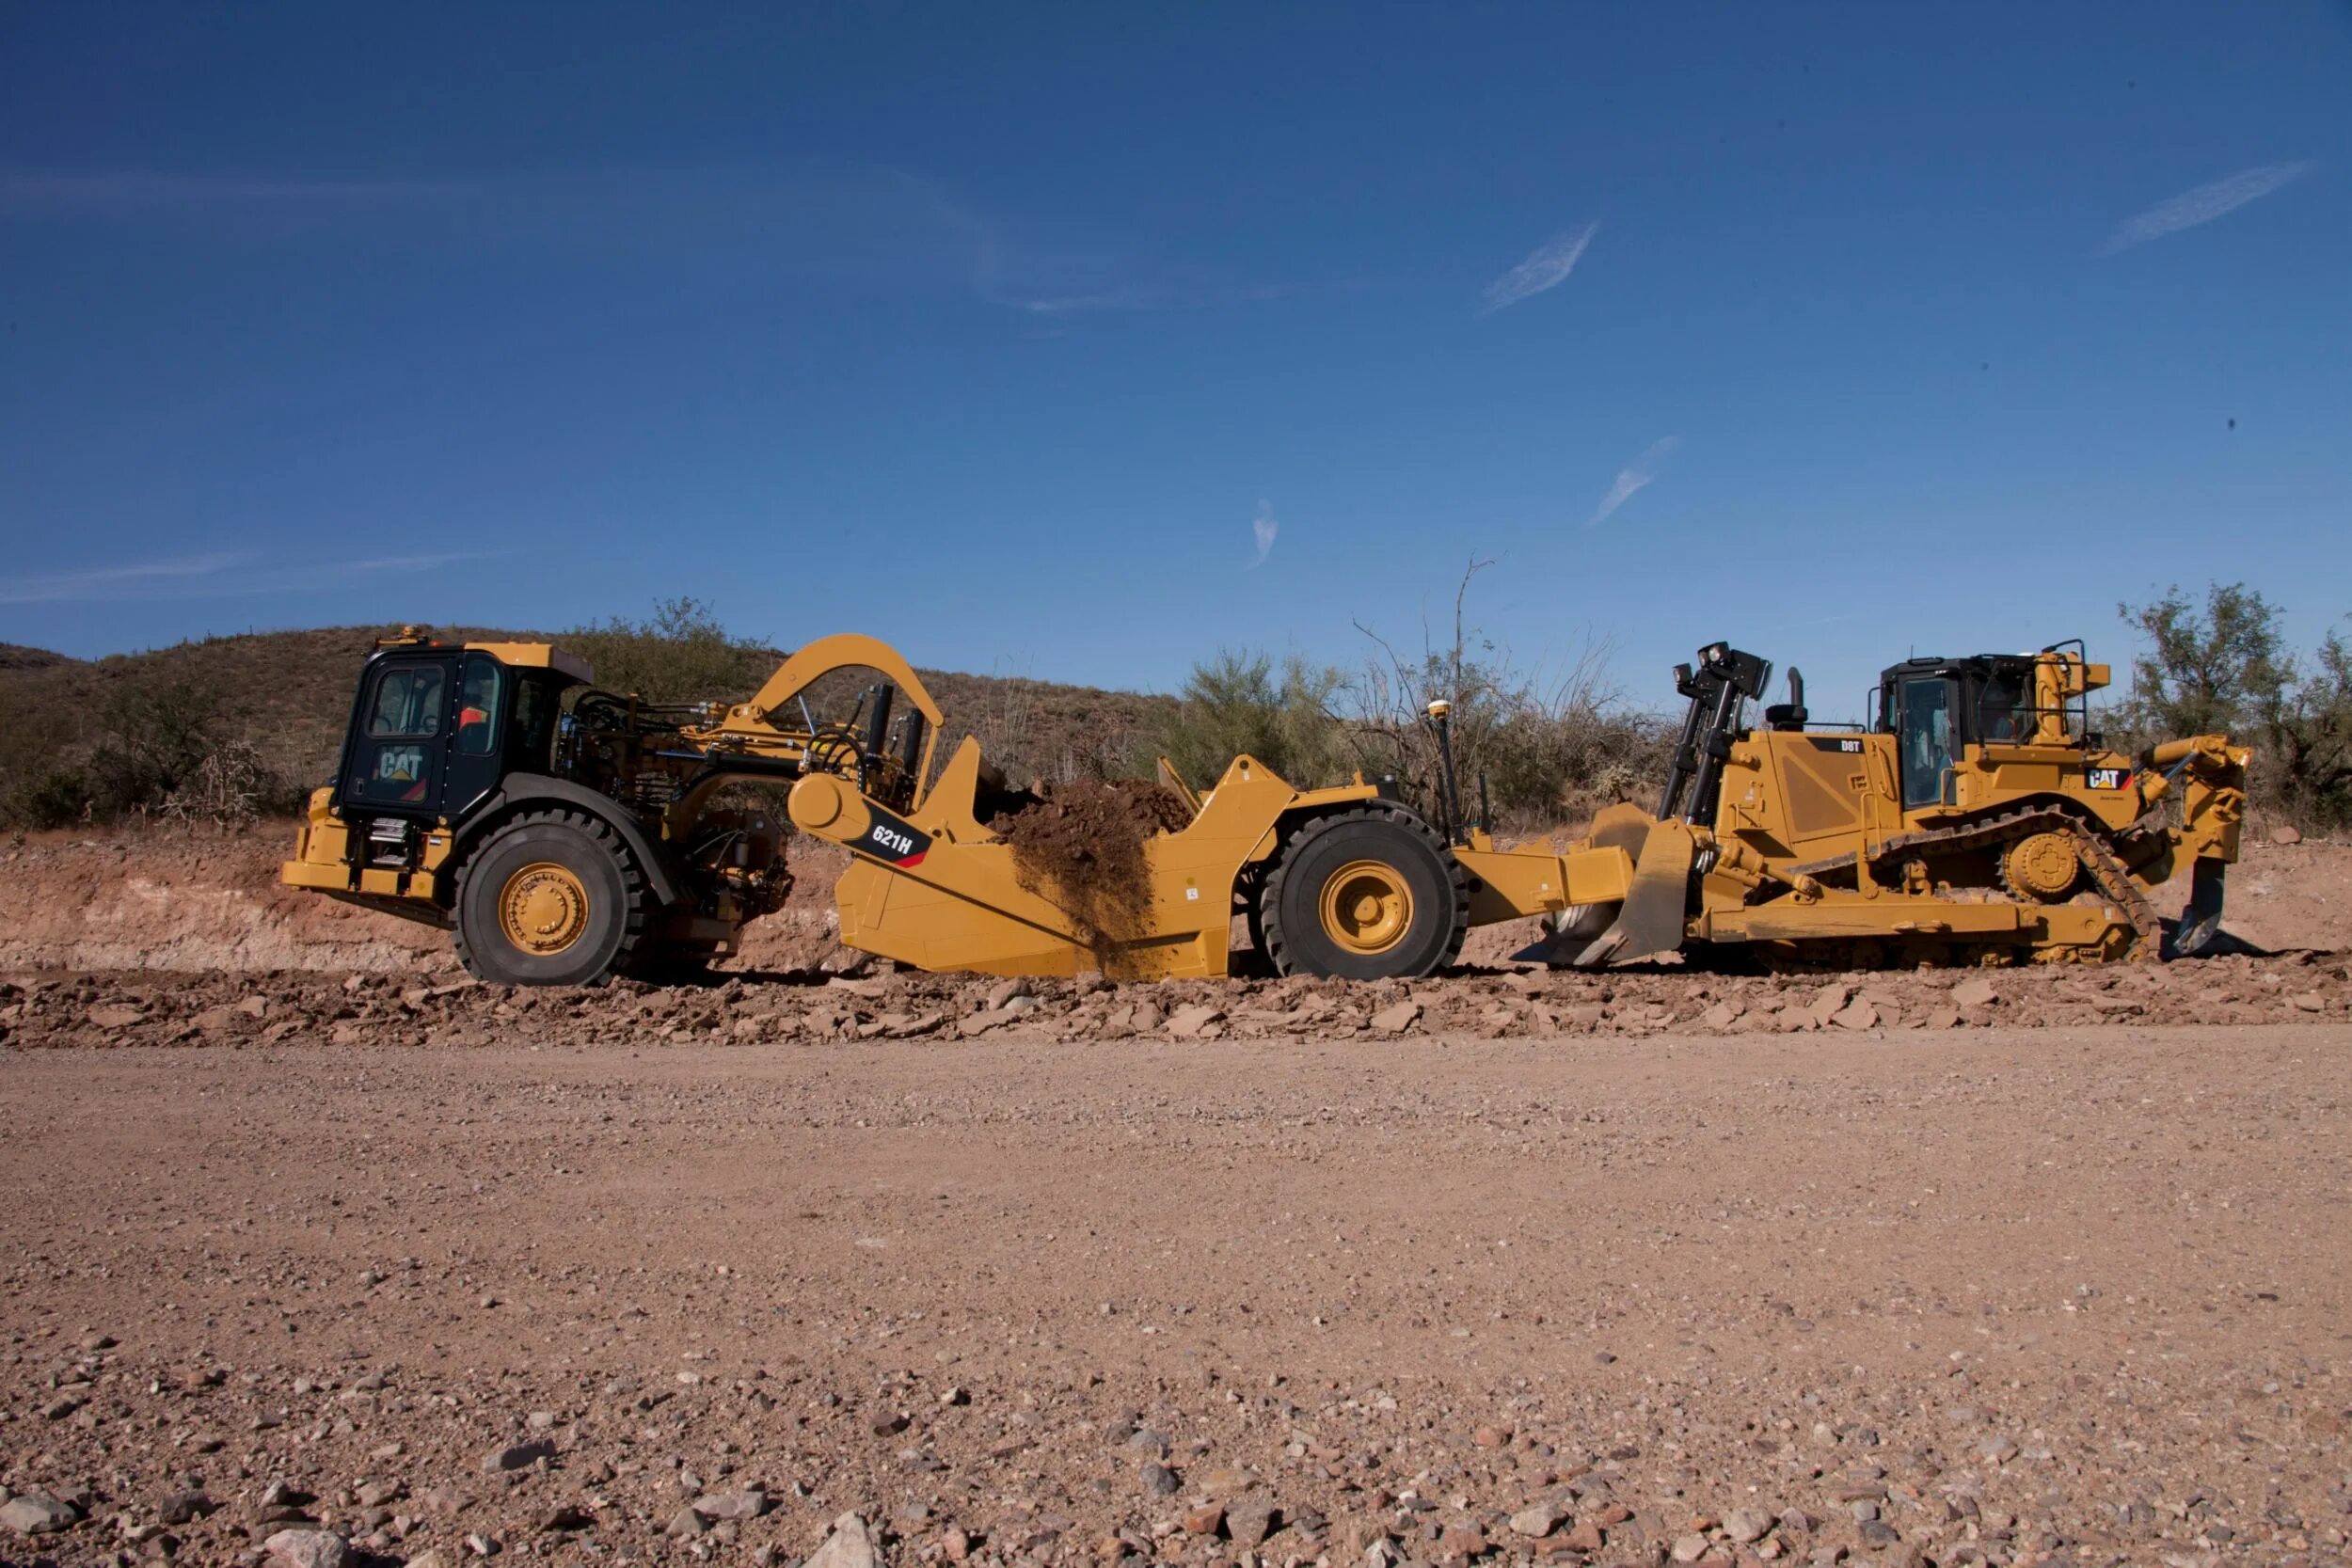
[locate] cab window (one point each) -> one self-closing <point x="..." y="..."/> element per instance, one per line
<point x="1926" y="740"/>
<point x="408" y="703"/>
<point x="2004" y="713"/>
<point x="479" y="704"/>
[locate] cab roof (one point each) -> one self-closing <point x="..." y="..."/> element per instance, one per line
<point x="519" y="656"/>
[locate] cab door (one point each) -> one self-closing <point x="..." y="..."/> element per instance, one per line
<point x="1924" y="713"/>
<point x="397" y="754"/>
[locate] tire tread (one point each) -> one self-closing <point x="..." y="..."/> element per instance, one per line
<point x="1280" y="949"/>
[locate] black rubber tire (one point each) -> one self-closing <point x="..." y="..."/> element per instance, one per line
<point x="618" y="902"/>
<point x="1288" y="911"/>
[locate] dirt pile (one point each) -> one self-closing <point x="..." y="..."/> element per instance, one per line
<point x="1081" y="846"/>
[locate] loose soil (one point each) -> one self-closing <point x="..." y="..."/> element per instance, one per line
<point x="1081" y="845"/>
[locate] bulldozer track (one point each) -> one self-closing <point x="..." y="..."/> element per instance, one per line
<point x="2114" y="881"/>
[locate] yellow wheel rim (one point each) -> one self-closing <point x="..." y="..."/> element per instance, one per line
<point x="1366" y="906"/>
<point x="2044" y="865"/>
<point x="543" y="909"/>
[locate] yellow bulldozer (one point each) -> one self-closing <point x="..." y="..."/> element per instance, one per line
<point x="1975" y="819"/>
<point x="566" y="834"/>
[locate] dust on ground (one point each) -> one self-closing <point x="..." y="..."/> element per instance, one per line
<point x="1081" y="845"/>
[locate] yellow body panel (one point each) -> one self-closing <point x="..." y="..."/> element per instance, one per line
<point x="963" y="904"/>
<point x="536" y="656"/>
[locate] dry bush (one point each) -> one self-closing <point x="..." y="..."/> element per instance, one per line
<point x="1552" y="746"/>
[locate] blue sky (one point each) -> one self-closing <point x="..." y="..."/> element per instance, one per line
<point x="1079" y="341"/>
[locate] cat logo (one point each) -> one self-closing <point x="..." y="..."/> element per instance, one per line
<point x="2107" y="777"/>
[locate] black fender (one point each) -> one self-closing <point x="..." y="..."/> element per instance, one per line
<point x="524" y="790"/>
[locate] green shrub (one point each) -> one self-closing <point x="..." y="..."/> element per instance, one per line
<point x="2224" y="668"/>
<point x="1235" y="704"/>
<point x="679" y="653"/>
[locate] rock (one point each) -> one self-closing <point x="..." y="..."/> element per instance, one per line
<point x="1004" y="992"/>
<point x="684" y="1524"/>
<point x="1250" y="1520"/>
<point x="956" y="1544"/>
<point x="1490" y="1437"/>
<point x="1689" y="1548"/>
<point x="1857" y="1015"/>
<point x="1462" y="1539"/>
<point x="1205" y="1520"/>
<point x="2285" y="833"/>
<point x="1723" y="1015"/>
<point x="254" y="1007"/>
<point x="1535" y="1523"/>
<point x="1945" y="1017"/>
<point x="1145" y="1440"/>
<point x="1999" y="1450"/>
<point x="116" y="1016"/>
<point x="2309" y="1002"/>
<point x="1975" y="992"/>
<point x="1744" y="1525"/>
<point x="38" y="1513"/>
<point x="889" y="1425"/>
<point x="566" y="1516"/>
<point x="519" y="1457"/>
<point x="1586" y="1537"/>
<point x="1188" y="1023"/>
<point x="180" y="1507"/>
<point x="1830" y="1001"/>
<point x="308" y="1548"/>
<point x="1158" y="1479"/>
<point x="848" y="1547"/>
<point x="749" y="1503"/>
<point x="1395" y="1020"/>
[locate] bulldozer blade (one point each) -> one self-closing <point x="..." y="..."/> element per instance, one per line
<point x="2198" y="932"/>
<point x="1649" y="922"/>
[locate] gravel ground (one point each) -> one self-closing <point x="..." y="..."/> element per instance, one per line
<point x="615" y="1278"/>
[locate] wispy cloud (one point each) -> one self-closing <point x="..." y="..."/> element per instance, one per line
<point x="221" y="575"/>
<point x="2203" y="205"/>
<point x="849" y="225"/>
<point x="1635" y="475"/>
<point x="1547" y="267"/>
<point x="1263" y="528"/>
